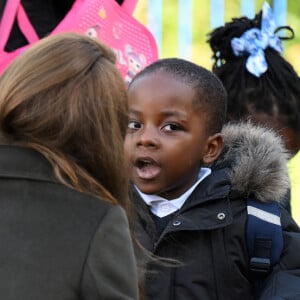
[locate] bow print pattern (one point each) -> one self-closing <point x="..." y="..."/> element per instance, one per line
<point x="254" y="41"/>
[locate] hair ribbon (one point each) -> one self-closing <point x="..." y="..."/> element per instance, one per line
<point x="254" y="41"/>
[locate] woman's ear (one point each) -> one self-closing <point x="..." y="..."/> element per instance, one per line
<point x="214" y="148"/>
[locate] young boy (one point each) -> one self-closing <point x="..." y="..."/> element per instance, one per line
<point x="191" y="181"/>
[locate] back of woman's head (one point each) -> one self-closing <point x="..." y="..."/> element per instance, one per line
<point x="257" y="79"/>
<point x="65" y="97"/>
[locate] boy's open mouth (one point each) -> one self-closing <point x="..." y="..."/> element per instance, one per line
<point x="141" y="163"/>
<point x="147" y="168"/>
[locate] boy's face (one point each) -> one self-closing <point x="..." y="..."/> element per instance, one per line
<point x="166" y="141"/>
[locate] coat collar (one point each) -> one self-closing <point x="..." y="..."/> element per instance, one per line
<point x="21" y="162"/>
<point x="257" y="160"/>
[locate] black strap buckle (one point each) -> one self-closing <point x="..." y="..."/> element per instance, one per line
<point x="260" y="265"/>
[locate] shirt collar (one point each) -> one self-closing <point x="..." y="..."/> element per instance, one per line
<point x="162" y="207"/>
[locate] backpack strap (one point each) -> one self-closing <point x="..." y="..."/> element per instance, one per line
<point x="25" y="25"/>
<point x="264" y="236"/>
<point x="7" y="21"/>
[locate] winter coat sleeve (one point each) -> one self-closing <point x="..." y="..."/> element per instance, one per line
<point x="110" y="271"/>
<point x="284" y="281"/>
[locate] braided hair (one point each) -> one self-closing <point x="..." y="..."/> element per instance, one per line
<point x="275" y="93"/>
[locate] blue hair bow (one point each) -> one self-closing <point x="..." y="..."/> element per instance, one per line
<point x="254" y="41"/>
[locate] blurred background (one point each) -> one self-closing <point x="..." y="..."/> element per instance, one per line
<point x="181" y="26"/>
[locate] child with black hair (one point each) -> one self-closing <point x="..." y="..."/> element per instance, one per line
<point x="267" y="92"/>
<point x="261" y="85"/>
<point x="191" y="180"/>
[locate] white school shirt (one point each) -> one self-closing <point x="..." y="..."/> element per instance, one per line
<point x="162" y="207"/>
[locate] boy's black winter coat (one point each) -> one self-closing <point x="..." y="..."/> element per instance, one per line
<point x="207" y="236"/>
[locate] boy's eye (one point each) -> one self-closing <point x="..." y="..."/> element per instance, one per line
<point x="134" y="125"/>
<point x="172" y="127"/>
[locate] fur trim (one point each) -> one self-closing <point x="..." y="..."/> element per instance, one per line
<point x="258" y="161"/>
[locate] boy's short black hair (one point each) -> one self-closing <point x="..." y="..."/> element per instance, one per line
<point x="209" y="91"/>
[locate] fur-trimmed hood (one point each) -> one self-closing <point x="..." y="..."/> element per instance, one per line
<point x="258" y="161"/>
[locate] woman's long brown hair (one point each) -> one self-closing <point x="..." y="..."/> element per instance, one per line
<point x="65" y="98"/>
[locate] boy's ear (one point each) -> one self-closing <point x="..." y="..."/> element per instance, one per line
<point x="214" y="147"/>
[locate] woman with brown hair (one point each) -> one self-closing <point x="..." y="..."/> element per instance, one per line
<point x="63" y="118"/>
